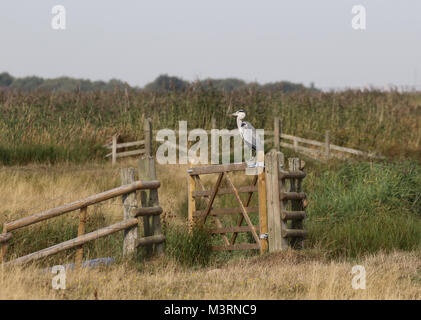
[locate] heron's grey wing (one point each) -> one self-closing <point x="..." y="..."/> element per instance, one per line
<point x="249" y="135"/>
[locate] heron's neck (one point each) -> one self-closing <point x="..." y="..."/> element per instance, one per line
<point x="239" y="122"/>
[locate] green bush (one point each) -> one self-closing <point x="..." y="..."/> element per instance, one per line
<point x="189" y="249"/>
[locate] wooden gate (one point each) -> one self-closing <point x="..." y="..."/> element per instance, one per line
<point x="281" y="204"/>
<point x="243" y="210"/>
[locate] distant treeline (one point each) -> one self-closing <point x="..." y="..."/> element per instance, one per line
<point x="61" y="84"/>
<point x="163" y="83"/>
<point x="166" y="83"/>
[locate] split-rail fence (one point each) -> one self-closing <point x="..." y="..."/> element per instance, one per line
<point x="149" y="211"/>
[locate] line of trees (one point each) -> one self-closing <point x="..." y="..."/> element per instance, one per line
<point x="163" y="83"/>
<point x="167" y="83"/>
<point x="61" y="84"/>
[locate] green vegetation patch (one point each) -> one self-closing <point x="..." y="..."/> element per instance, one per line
<point x="361" y="208"/>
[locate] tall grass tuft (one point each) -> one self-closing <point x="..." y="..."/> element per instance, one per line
<point x="362" y="208"/>
<point x="188" y="249"/>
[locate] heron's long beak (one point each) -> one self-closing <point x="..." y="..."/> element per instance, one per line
<point x="234" y="114"/>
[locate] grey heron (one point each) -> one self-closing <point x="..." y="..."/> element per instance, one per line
<point x="249" y="135"/>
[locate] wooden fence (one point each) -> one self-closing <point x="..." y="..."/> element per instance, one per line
<point x="319" y="150"/>
<point x="146" y="143"/>
<point x="279" y="201"/>
<point x="152" y="239"/>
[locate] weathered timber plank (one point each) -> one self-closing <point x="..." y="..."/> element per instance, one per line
<point x="44" y="215"/>
<point x="75" y="242"/>
<point x="294" y="233"/>
<point x="146" y="241"/>
<point x="293" y="215"/>
<point x="232" y="229"/>
<point x="241" y="246"/>
<point x="130" y="153"/>
<point x="222" y="211"/>
<point x="212" y="197"/>
<point x="263" y="217"/>
<point x="292" y="175"/>
<point x="218" y="168"/>
<point x="244" y="189"/>
<point x="5" y="237"/>
<point x="302" y="140"/>
<point x="81" y="232"/>
<point x="130" y="144"/>
<point x="191" y="187"/>
<point x="129" y="205"/>
<point x="151" y="211"/>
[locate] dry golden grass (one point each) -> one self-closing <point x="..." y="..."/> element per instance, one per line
<point x="287" y="275"/>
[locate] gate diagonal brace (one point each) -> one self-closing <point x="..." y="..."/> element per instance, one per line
<point x="212" y="198"/>
<point x="243" y="209"/>
<point x="240" y="220"/>
<point x="218" y="222"/>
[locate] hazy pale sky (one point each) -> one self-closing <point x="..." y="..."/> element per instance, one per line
<point x="264" y="41"/>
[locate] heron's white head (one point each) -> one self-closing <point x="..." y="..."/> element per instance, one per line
<point x="240" y="114"/>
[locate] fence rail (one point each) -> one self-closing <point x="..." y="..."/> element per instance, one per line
<point x="132" y="216"/>
<point x="146" y="143"/>
<point x="319" y="150"/>
<point x="76" y="242"/>
<point x="79" y="204"/>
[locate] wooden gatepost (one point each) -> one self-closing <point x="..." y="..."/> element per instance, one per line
<point x="279" y="198"/>
<point x="285" y="201"/>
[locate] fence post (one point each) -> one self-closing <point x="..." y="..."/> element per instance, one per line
<point x="191" y="187"/>
<point x="147" y="127"/>
<point x="276" y="134"/>
<point x="4" y="247"/>
<point x="129" y="205"/>
<point x="294" y="164"/>
<point x="263" y="216"/>
<point x="327" y="145"/>
<point x="81" y="232"/>
<point x="152" y="226"/>
<point x="296" y="145"/>
<point x="273" y="160"/>
<point x="280" y="131"/>
<point x="114" y="150"/>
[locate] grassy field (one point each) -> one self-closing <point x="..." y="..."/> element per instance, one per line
<point x="368" y="215"/>
<point x="49" y="127"/>
<point x="365" y="213"/>
<point x="286" y="275"/>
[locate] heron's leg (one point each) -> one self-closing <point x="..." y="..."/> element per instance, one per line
<point x="260" y="162"/>
<point x="248" y="155"/>
<point x="251" y="160"/>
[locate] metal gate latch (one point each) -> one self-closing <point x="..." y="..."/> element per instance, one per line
<point x="263" y="236"/>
